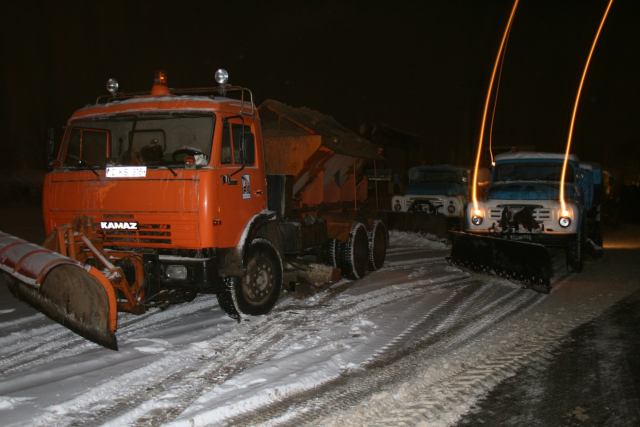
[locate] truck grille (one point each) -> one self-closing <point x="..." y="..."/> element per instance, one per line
<point x="157" y="231"/>
<point x="539" y="215"/>
<point x="146" y="233"/>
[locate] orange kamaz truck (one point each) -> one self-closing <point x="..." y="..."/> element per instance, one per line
<point x="156" y="197"/>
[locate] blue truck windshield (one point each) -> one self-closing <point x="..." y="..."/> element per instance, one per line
<point x="432" y="176"/>
<point x="531" y="172"/>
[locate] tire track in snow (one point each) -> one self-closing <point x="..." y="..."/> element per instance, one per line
<point x="452" y="321"/>
<point x="306" y="322"/>
<point x="328" y="310"/>
<point x="53" y="342"/>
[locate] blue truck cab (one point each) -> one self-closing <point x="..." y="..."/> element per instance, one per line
<point x="438" y="190"/>
<point x="523" y="204"/>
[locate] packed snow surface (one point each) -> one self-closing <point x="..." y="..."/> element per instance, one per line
<point x="191" y="365"/>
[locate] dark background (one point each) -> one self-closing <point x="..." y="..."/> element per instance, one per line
<point x="420" y="67"/>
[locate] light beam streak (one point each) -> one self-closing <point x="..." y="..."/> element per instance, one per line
<point x="575" y="109"/>
<point x="486" y="107"/>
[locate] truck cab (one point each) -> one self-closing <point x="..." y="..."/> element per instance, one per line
<point x="437" y="190"/>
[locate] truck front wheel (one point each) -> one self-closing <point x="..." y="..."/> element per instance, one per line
<point x="259" y="288"/>
<point x="575" y="252"/>
<point x="262" y="279"/>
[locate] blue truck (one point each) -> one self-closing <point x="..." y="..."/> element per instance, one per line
<point x="521" y="217"/>
<point x="436" y="190"/>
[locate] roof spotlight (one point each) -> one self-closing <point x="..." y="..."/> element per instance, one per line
<point x="222" y="76"/>
<point x="112" y="86"/>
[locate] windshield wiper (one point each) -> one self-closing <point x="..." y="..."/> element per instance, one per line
<point x="166" y="164"/>
<point x="89" y="165"/>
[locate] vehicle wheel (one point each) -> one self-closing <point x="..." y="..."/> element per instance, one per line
<point x="262" y="280"/>
<point x="378" y="242"/>
<point x="575" y="252"/>
<point x="331" y="252"/>
<point x="355" y="257"/>
<point x="259" y="288"/>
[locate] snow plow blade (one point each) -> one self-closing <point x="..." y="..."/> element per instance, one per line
<point x="73" y="294"/>
<point x="417" y="222"/>
<point x="525" y="262"/>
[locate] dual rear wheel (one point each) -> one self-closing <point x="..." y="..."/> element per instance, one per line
<point x="364" y="249"/>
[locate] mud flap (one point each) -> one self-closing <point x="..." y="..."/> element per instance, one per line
<point x="73" y="294"/>
<point x="417" y="222"/>
<point x="520" y="261"/>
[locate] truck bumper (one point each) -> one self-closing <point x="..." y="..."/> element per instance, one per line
<point x="548" y="239"/>
<point x="187" y="273"/>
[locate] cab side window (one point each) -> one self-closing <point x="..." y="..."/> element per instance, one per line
<point x="226" y="154"/>
<point x="230" y="150"/>
<point x="237" y="133"/>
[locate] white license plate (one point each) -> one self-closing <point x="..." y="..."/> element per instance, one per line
<point x="126" y="171"/>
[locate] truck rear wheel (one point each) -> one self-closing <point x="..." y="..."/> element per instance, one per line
<point x="355" y="257"/>
<point x="331" y="252"/>
<point x="378" y="242"/>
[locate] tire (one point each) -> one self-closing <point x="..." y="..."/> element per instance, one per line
<point x="258" y="290"/>
<point x="378" y="242"/>
<point x="331" y="252"/>
<point x="355" y="257"/>
<point x="576" y="250"/>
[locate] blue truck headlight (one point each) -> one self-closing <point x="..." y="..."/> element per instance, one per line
<point x="564" y="222"/>
<point x="476" y="220"/>
<point x="397" y="207"/>
<point x="451" y="208"/>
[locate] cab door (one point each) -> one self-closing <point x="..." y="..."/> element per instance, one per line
<point x="241" y="184"/>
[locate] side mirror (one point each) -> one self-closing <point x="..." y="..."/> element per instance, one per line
<point x="248" y="148"/>
<point x="51" y="140"/>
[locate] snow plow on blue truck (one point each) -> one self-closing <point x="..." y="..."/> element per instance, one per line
<point x="521" y="218"/>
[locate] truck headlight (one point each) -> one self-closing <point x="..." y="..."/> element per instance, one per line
<point x="476" y="220"/>
<point x="176" y="272"/>
<point x="397" y="207"/>
<point x="451" y="208"/>
<point x="564" y="222"/>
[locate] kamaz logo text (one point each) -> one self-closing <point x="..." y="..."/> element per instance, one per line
<point x="112" y="225"/>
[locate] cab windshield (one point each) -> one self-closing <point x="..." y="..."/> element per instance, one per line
<point x="510" y="172"/>
<point x="434" y="176"/>
<point x="143" y="139"/>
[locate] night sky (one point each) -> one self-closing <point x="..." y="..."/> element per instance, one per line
<point x="419" y="67"/>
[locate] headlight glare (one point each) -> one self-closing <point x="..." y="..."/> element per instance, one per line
<point x="564" y="222"/>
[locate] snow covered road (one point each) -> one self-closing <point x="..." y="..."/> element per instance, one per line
<point x="416" y="327"/>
